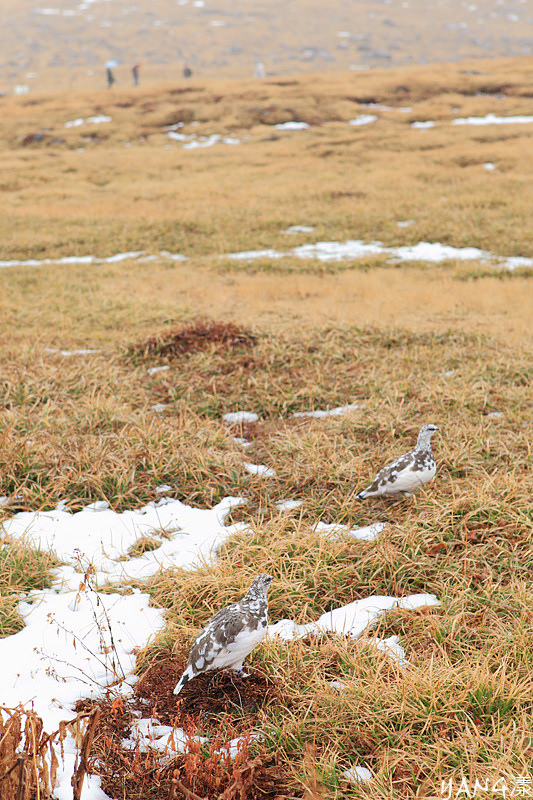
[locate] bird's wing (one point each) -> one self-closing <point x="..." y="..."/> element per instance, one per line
<point x="387" y="476"/>
<point x="220" y="631"/>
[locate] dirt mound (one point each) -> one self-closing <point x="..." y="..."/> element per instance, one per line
<point x="188" y="339"/>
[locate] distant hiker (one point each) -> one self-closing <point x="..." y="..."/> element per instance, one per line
<point x="259" y="71"/>
<point x="135" y="73"/>
<point x="187" y="71"/>
<point x="110" y="77"/>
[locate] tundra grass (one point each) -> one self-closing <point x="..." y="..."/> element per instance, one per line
<point x="406" y="345"/>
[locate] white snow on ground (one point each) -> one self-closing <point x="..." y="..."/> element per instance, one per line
<point x="155" y="370"/>
<point x="209" y="141"/>
<point x="423" y="125"/>
<point x="355" y="618"/>
<point x="367" y="534"/>
<point x="288" y="505"/>
<point x="98" y="120"/>
<point x="492" y="119"/>
<point x="291" y="126"/>
<point x="241" y="441"/>
<point x="134" y="254"/>
<point x="299" y="229"/>
<point x="432" y="252"/>
<point x="259" y="469"/>
<point x="77" y="641"/>
<point x="358" y="775"/>
<point x="363" y="119"/>
<point x="103" y="537"/>
<point x="238" y="417"/>
<point x="331" y="412"/>
<point x="82" y="352"/>
<point x="489" y="166"/>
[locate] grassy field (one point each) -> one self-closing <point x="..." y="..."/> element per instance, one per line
<point x="409" y="343"/>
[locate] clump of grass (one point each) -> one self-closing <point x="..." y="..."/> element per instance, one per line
<point x="22" y="568"/>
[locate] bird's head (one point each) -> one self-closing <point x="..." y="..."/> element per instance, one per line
<point x="259" y="586"/>
<point x="426" y="432"/>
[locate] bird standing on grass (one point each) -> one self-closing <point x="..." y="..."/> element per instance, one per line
<point x="407" y="473"/>
<point x="231" y="634"/>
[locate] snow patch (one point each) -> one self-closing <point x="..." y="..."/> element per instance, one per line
<point x="332" y="412"/>
<point x="259" y="469"/>
<point x="238" y="417"/>
<point x="493" y="119"/>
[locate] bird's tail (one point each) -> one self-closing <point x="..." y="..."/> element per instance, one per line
<point x="185" y="678"/>
<point x="361" y="495"/>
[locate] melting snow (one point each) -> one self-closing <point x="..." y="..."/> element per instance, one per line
<point x="423" y="125"/>
<point x="354" y="618"/>
<point x="357" y="774"/>
<point x="363" y="119"/>
<point x="155" y="370"/>
<point x="77" y="641"/>
<point x="489" y="165"/>
<point x="98" y="120"/>
<point x="291" y="126"/>
<point x="492" y="119"/>
<point x="238" y="417"/>
<point x="114" y="259"/>
<point x="66" y="353"/>
<point x="259" y="469"/>
<point x="288" y="505"/>
<point x="367" y="534"/>
<point x="433" y="252"/>
<point x="299" y="229"/>
<point x="105" y="541"/>
<point x="332" y="412"/>
<point x="241" y="441"/>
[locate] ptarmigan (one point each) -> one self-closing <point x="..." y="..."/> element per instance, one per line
<point x="231" y="634"/>
<point x="407" y="473"/>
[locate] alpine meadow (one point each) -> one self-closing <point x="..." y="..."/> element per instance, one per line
<point x="226" y="305"/>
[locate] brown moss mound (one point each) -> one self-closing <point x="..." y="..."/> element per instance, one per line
<point x="201" y="335"/>
<point x="218" y="704"/>
<point x="210" y="694"/>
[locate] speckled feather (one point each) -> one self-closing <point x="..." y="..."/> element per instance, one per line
<point x="231" y="634"/>
<point x="408" y="472"/>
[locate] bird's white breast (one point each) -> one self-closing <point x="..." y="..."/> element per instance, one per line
<point x="408" y="480"/>
<point x="237" y="650"/>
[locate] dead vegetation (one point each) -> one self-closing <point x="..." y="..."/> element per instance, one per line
<point x="201" y="335"/>
<point x="233" y="764"/>
<point x="29" y="755"/>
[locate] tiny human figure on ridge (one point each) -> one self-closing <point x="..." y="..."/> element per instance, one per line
<point x="231" y="634"/>
<point x="408" y="472"/>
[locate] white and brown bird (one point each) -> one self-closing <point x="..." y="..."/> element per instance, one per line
<point x="231" y="634"/>
<point x="407" y="473"/>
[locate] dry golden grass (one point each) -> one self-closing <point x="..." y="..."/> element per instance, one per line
<point x="448" y="344"/>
